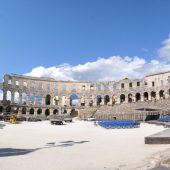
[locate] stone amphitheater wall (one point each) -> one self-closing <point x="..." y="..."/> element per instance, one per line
<point x="30" y="95"/>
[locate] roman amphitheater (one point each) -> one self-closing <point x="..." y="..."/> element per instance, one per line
<point x="82" y="144"/>
<point x="27" y="95"/>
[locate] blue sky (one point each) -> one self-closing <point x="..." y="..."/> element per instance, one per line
<point x="86" y="34"/>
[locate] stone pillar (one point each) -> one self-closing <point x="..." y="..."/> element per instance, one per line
<point x="51" y="111"/>
<point x="67" y="101"/>
<point x="20" y="111"/>
<point x="20" y="99"/>
<point x="43" y="100"/>
<point x="118" y="100"/>
<point x="27" y="99"/>
<point x="35" y="111"/>
<point x="102" y="103"/>
<point x="126" y="98"/>
<point x="27" y="111"/>
<point x="149" y="96"/>
<point x="43" y="111"/>
<point x="142" y="97"/>
<point x="12" y="97"/>
<point x="36" y="100"/>
<point x="59" y="110"/>
<point x="4" y="95"/>
<point x="157" y="96"/>
<point x="51" y="100"/>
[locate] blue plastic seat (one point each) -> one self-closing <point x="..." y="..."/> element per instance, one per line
<point x="119" y="124"/>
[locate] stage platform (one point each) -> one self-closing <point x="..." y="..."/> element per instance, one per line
<point x="159" y="138"/>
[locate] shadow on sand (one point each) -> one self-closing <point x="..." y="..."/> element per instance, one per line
<point x="4" y="152"/>
<point x="160" y="168"/>
<point x="1" y="126"/>
<point x="14" y="152"/>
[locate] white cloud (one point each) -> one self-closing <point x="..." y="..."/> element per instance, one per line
<point x="164" y="51"/>
<point x="103" y="69"/>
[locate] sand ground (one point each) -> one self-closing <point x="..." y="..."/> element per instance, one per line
<point x="77" y="146"/>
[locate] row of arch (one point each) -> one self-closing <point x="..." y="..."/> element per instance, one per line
<point x="23" y="99"/>
<point x="145" y="95"/>
<point x="48" y="99"/>
<point x="40" y="85"/>
<point x="74" y="98"/>
<point x="32" y="111"/>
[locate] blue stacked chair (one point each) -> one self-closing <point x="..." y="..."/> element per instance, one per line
<point x="164" y="119"/>
<point x="118" y="124"/>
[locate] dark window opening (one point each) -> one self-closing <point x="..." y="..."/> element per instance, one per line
<point x="153" y="84"/>
<point x="122" y="85"/>
<point x="130" y="84"/>
<point x="138" y="83"/>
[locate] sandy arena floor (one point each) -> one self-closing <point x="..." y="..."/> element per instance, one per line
<point x="76" y="146"/>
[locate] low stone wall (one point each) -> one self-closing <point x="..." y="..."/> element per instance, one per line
<point x="138" y="116"/>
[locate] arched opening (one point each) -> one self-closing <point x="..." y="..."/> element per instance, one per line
<point x="56" y="100"/>
<point x="15" y="109"/>
<point x="122" y="98"/>
<point x="153" y="95"/>
<point x="32" y="84"/>
<point x="48" y="99"/>
<point x="99" y="100"/>
<point x="24" y="98"/>
<point x="31" y="111"/>
<point x="8" y="95"/>
<point x="16" y="97"/>
<point x="113" y="99"/>
<point x="55" y="112"/>
<point x="138" y="97"/>
<point x="106" y="99"/>
<point x="9" y="81"/>
<point x="24" y="110"/>
<point x="64" y="101"/>
<point x="145" y="95"/>
<point x="40" y="99"/>
<point x="1" y="95"/>
<point x="24" y="84"/>
<point x="8" y="108"/>
<point x="47" y="112"/>
<point x="130" y="98"/>
<point x="32" y="98"/>
<point x="74" y="113"/>
<point x="73" y="100"/>
<point x="64" y="111"/>
<point x="1" y="109"/>
<point x="39" y="111"/>
<point x="161" y="94"/>
<point x="17" y="83"/>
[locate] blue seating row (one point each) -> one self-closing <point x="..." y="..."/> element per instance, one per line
<point x="119" y="124"/>
<point x="164" y="119"/>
